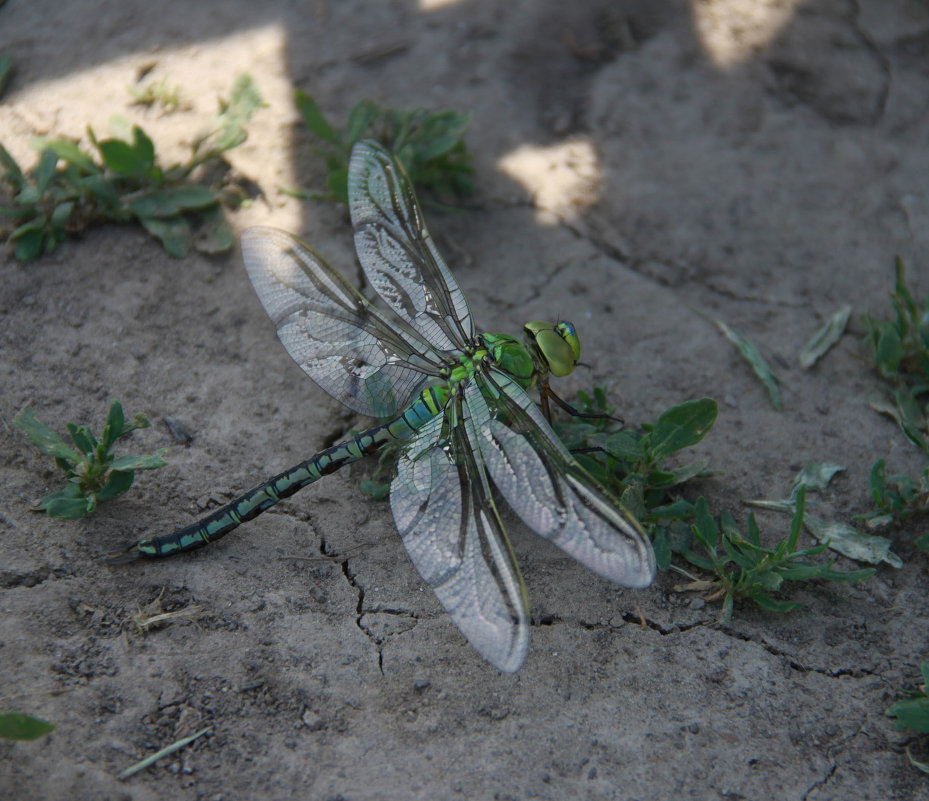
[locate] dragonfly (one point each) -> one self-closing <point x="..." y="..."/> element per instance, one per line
<point x="457" y="406"/>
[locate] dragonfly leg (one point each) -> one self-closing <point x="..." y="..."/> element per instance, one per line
<point x="546" y="393"/>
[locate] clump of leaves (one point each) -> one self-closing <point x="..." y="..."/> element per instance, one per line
<point x="630" y="463"/>
<point x="898" y="497"/>
<point x="900" y="349"/>
<point x="17" y="726"/>
<point x="837" y="535"/>
<point x="428" y="144"/>
<point x="912" y="713"/>
<point x="94" y="474"/>
<point x="70" y="189"/>
<point x="157" y="93"/>
<point x="745" y="569"/>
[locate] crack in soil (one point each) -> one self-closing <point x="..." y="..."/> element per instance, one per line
<point x="794" y="664"/>
<point x="882" y="60"/>
<point x="820" y="783"/>
<point x="359" y="606"/>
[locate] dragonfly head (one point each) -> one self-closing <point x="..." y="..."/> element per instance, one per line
<point x="556" y="344"/>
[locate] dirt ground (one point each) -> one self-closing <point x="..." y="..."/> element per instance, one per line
<point x="636" y="161"/>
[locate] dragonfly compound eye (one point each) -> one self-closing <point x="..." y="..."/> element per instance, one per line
<point x="558" y="345"/>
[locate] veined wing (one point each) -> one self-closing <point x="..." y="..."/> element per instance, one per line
<point x="341" y="341"/>
<point x="397" y="253"/>
<point x="451" y="529"/>
<point x="550" y="491"/>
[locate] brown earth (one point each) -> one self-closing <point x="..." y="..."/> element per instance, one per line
<point x="635" y="161"/>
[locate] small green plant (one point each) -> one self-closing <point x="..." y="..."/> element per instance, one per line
<point x="157" y="93"/>
<point x="70" y="189"/>
<point x="94" y="474"/>
<point x="912" y="713"/>
<point x="428" y="143"/>
<point x="17" y="726"/>
<point x="900" y="349"/>
<point x="898" y="497"/>
<point x="630" y="462"/>
<point x="745" y="569"/>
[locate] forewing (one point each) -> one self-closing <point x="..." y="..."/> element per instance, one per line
<point x="397" y="253"/>
<point x="553" y="494"/>
<point x="330" y="329"/>
<point x="452" y="532"/>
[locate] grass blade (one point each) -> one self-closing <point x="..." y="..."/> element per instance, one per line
<point x="825" y="337"/>
<point x="752" y="355"/>
<point x="150" y="760"/>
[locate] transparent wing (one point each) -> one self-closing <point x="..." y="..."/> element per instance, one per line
<point x="551" y="492"/>
<point x="451" y="529"/>
<point x="397" y="253"/>
<point x="341" y="341"/>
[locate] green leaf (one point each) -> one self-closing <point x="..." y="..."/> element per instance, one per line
<point x="143" y="461"/>
<point x="62" y="214"/>
<point x="337" y="184"/>
<point x="682" y="426"/>
<point x="29" y="242"/>
<point x="48" y="161"/>
<point x="67" y="151"/>
<point x="768" y="603"/>
<point x="705" y="529"/>
<point x="244" y="100"/>
<point x="115" y="424"/>
<point x="850" y="542"/>
<point x="17" y="726"/>
<point x="796" y="523"/>
<point x="847" y="576"/>
<point x="825" y="337"/>
<point x="12" y="171"/>
<point x="912" y="713"/>
<point x="923" y="766"/>
<point x="122" y="158"/>
<point x="143" y="147"/>
<point x="751" y="354"/>
<point x="116" y="484"/>
<point x="815" y="476"/>
<point x="40" y="435"/>
<point x="728" y="607"/>
<point x="214" y="235"/>
<point x="912" y="418"/>
<point x="82" y="437"/>
<point x="923" y="544"/>
<point x="172" y="200"/>
<point x="66" y="508"/>
<point x="889" y="351"/>
<point x="620" y="445"/>
<point x="314" y="118"/>
<point x="173" y="232"/>
<point x="679" y="510"/>
<point x="683" y="474"/>
<point x="102" y="190"/>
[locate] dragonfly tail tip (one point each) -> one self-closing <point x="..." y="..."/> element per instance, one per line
<point x="124" y="556"/>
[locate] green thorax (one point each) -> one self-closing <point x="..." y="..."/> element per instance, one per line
<point x="547" y="349"/>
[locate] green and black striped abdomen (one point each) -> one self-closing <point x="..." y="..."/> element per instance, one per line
<point x="285" y="484"/>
